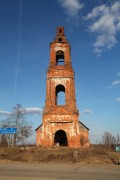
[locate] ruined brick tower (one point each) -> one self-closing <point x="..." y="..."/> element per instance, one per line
<point x="60" y="124"/>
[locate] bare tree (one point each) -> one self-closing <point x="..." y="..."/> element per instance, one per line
<point x="108" y="139"/>
<point x="3" y="140"/>
<point x="118" y="139"/>
<point x="17" y="119"/>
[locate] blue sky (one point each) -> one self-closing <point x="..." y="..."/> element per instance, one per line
<point x="93" y="29"/>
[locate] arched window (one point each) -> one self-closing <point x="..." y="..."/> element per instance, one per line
<point x="60" y="30"/>
<point x="60" y="58"/>
<point x="60" y="95"/>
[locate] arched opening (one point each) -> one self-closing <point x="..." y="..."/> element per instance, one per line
<point x="60" y="39"/>
<point x="60" y="56"/>
<point x="60" y="138"/>
<point x="60" y="95"/>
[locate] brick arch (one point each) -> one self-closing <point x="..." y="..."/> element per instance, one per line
<point x="60" y="138"/>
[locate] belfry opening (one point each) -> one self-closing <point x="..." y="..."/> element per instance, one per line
<point x="60" y="118"/>
<point x="59" y="58"/>
<point x="60" y="138"/>
<point x="60" y="95"/>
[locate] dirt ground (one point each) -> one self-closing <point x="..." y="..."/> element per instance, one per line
<point x="93" y="155"/>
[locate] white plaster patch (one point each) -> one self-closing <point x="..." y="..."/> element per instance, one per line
<point x="42" y="135"/>
<point x="78" y="128"/>
<point x="72" y="130"/>
<point x="53" y="124"/>
<point x="60" y="118"/>
<point x="46" y="129"/>
<point x="59" y="48"/>
<point x="60" y="81"/>
<point x="50" y="135"/>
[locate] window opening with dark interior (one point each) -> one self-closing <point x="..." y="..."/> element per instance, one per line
<point x="60" y="39"/>
<point x="60" y="58"/>
<point x="60" y="30"/>
<point x="60" y="95"/>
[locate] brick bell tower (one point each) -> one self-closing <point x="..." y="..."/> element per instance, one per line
<point x="60" y="125"/>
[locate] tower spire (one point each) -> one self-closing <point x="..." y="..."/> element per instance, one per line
<point x="60" y="31"/>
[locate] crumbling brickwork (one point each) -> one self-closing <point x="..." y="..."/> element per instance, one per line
<point x="60" y="125"/>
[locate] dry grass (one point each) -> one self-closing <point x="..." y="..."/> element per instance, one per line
<point x="96" y="155"/>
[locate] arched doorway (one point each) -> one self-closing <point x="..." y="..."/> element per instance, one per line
<point x="60" y="138"/>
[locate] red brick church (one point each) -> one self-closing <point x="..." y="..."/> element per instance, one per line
<point x="60" y="122"/>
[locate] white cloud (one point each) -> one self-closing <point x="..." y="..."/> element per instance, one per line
<point x="5" y="113"/>
<point x="118" y="26"/>
<point x="118" y="99"/>
<point x="118" y="74"/>
<point x="71" y="7"/>
<point x="115" y="83"/>
<point x="105" y="22"/>
<point x="32" y="110"/>
<point x="87" y="111"/>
